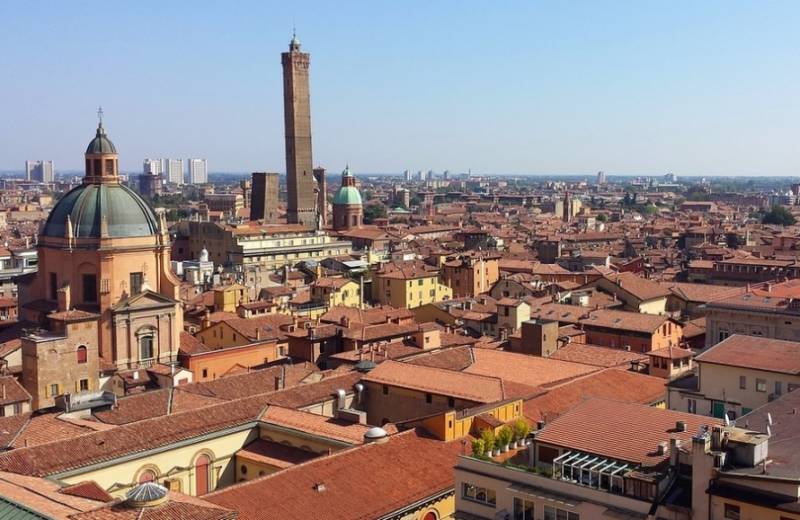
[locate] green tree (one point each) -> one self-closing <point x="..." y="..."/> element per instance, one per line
<point x="374" y="211"/>
<point x="602" y="217"/>
<point x="650" y="209"/>
<point x="778" y="215"/>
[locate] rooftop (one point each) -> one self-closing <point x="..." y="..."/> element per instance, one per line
<point x="773" y="355"/>
<point x="366" y="482"/>
<point x="623" y="431"/>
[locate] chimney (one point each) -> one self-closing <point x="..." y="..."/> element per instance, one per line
<point x="662" y="448"/>
<point x="674" y="454"/>
<point x="64" y="299"/>
<point x="680" y="426"/>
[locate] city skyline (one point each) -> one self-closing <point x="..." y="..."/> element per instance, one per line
<point x="542" y="89"/>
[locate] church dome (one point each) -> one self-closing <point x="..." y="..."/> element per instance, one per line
<point x="347" y="195"/>
<point x="126" y="214"/>
<point x="101" y="143"/>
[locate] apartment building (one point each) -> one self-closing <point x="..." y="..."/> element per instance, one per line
<point x="738" y="375"/>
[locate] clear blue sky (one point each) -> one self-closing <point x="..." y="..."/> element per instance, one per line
<point x="708" y="87"/>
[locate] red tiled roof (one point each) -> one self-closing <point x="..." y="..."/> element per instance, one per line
<point x="12" y="391"/>
<point x="477" y="388"/>
<point x="103" y="446"/>
<point x="362" y="483"/>
<point x="596" y="355"/>
<point x="623" y="431"/>
<point x="315" y="424"/>
<point x="773" y="355"/>
<point x="616" y="384"/>
<point x="88" y="489"/>
<point x="170" y="510"/>
<point x="522" y="369"/>
<point x="274" y="454"/>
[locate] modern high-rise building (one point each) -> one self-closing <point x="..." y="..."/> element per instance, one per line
<point x="198" y="171"/>
<point x="40" y="171"/>
<point x="302" y="200"/>
<point x="264" y="197"/>
<point x="153" y="167"/>
<point x="407" y="175"/>
<point x="601" y="177"/>
<point x="172" y="170"/>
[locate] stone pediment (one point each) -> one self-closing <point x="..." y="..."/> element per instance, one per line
<point x="144" y="300"/>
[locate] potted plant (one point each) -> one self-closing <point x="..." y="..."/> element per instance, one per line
<point x="521" y="430"/>
<point x="478" y="448"/>
<point x="487" y="436"/>
<point x="504" y="437"/>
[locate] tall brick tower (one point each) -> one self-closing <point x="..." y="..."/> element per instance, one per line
<point x="297" y="122"/>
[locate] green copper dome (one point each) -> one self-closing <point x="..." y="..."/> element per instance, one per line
<point x="126" y="214"/>
<point x="347" y="195"/>
<point x="101" y="143"/>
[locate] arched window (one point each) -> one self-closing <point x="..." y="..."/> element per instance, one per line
<point x="147" y="475"/>
<point x="202" y="466"/>
<point x="430" y="515"/>
<point x="82" y="353"/>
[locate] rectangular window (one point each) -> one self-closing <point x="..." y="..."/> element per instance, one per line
<point x="428" y="398"/>
<point x="136" y="283"/>
<point x="778" y="388"/>
<point x="84" y="385"/>
<point x="419" y="282"/>
<point x="478" y="494"/>
<point x="523" y="509"/>
<point x="385" y="389"/>
<point x="89" y="288"/>
<point x="723" y="334"/>
<point x="691" y="405"/>
<point x="761" y="385"/>
<point x="451" y="402"/>
<point x="54" y="390"/>
<point x="733" y="512"/>
<point x="554" y="513"/>
<point x="743" y="382"/>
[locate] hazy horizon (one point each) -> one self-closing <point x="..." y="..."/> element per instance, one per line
<point x="696" y="89"/>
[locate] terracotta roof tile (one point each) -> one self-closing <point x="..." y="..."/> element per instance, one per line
<point x="274" y="454"/>
<point x="315" y="424"/>
<point x="141" y="436"/>
<point x="362" y="483"/>
<point x="623" y="431"/>
<point x="620" y="385"/>
<point x="477" y="388"/>
<point x="88" y="489"/>
<point x="522" y="369"/>
<point x="773" y="355"/>
<point x="596" y="355"/>
<point x="12" y="391"/>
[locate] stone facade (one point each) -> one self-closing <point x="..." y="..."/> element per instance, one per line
<point x="61" y="360"/>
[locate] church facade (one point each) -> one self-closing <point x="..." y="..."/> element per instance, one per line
<point x="104" y="298"/>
